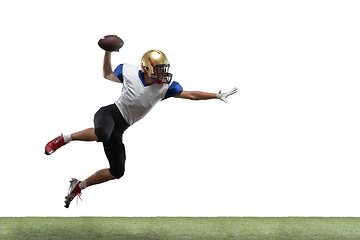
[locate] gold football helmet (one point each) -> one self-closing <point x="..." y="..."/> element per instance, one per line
<point x="155" y="64"/>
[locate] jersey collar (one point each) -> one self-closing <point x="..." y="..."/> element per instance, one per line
<point x="142" y="80"/>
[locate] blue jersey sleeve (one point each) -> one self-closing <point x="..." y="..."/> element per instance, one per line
<point x="119" y="72"/>
<point x="174" y="89"/>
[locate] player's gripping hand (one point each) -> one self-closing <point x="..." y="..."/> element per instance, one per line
<point x="223" y="96"/>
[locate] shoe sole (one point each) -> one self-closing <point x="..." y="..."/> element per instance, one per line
<point x="68" y="200"/>
<point x="49" y="153"/>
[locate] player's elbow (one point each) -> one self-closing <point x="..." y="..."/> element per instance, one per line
<point x="110" y="76"/>
<point x="107" y="75"/>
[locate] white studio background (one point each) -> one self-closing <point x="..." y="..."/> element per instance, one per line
<point x="287" y="144"/>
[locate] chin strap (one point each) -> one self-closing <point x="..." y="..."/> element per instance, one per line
<point x="158" y="81"/>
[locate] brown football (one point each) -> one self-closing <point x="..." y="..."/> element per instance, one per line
<point x="111" y="43"/>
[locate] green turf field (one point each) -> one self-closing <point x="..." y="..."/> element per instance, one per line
<point x="179" y="228"/>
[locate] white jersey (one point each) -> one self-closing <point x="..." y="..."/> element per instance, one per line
<point x="138" y="98"/>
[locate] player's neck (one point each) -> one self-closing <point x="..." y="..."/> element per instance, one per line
<point x="148" y="80"/>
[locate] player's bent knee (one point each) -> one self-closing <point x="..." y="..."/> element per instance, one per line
<point x="101" y="134"/>
<point x="117" y="173"/>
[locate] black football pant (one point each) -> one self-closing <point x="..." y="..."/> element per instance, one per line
<point x="109" y="128"/>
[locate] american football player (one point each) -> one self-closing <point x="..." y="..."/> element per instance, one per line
<point x="142" y="89"/>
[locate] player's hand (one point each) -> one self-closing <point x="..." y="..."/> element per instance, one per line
<point x="223" y="96"/>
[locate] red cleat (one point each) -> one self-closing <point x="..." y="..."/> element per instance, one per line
<point x="74" y="190"/>
<point x="54" y="145"/>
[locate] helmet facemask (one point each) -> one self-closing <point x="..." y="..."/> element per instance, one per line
<point x="161" y="73"/>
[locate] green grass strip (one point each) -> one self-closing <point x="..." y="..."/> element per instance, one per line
<point x="179" y="228"/>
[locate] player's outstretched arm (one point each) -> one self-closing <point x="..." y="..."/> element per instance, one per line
<point x="196" y="95"/>
<point x="107" y="69"/>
